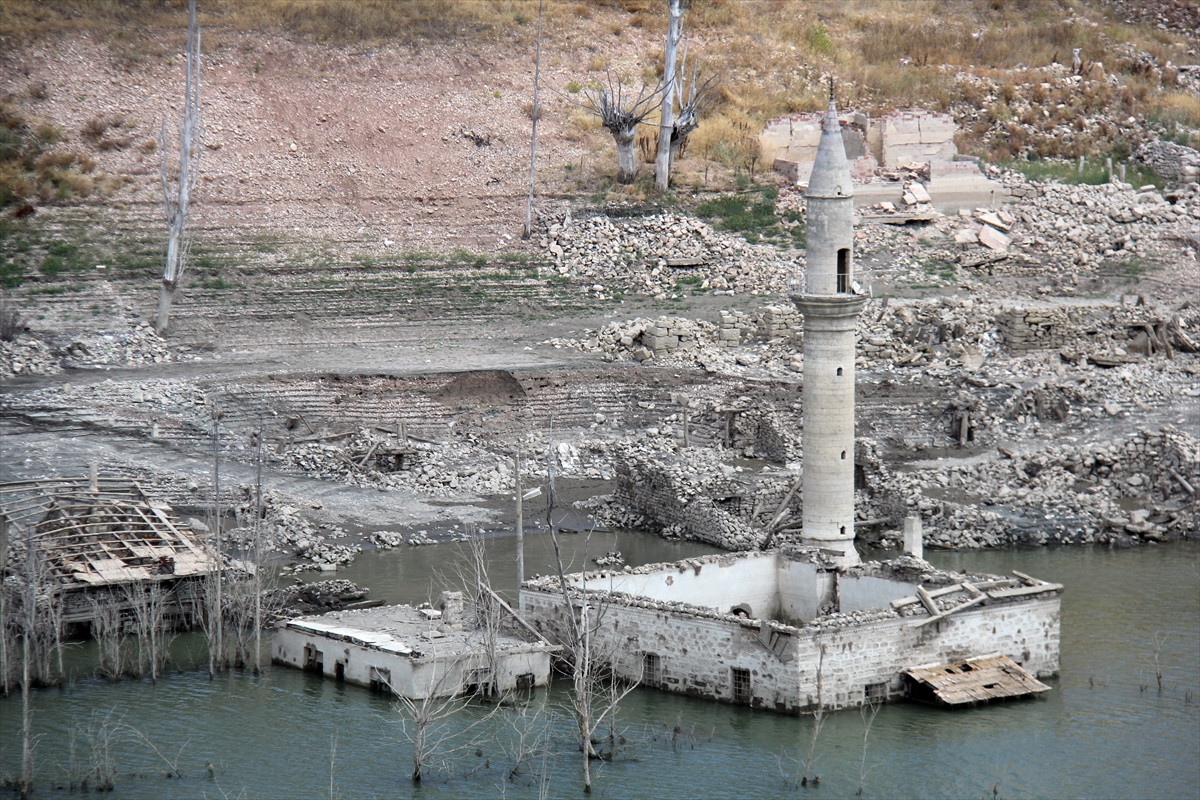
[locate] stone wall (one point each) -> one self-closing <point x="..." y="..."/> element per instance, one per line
<point x="1173" y="161"/>
<point x="698" y="651"/>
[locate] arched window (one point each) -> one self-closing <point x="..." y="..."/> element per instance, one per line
<point x="843" y="271"/>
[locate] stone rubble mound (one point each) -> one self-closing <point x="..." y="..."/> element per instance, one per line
<point x="650" y="255"/>
<point x="30" y="354"/>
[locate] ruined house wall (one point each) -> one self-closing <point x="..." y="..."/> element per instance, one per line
<point x="413" y="678"/>
<point x="880" y="652"/>
<point x="720" y="586"/>
<point x="916" y="136"/>
<point x="804" y="589"/>
<point x="859" y="592"/>
<point x="697" y="652"/>
<point x="1174" y="161"/>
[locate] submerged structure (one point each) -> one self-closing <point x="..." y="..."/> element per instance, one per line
<point x="93" y="542"/>
<point x="811" y="627"/>
<point x="418" y="652"/>
<point x="790" y="631"/>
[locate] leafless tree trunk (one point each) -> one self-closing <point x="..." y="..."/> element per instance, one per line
<point x="693" y="100"/>
<point x="520" y="520"/>
<point x="177" y="193"/>
<point x="818" y="722"/>
<point x="537" y="111"/>
<point x="620" y="115"/>
<point x="28" y="632"/>
<point x="217" y="605"/>
<point x="580" y="647"/>
<point x="106" y="630"/>
<point x="666" y="127"/>
<point x="869" y="711"/>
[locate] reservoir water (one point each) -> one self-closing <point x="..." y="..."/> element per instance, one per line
<point x="1104" y="731"/>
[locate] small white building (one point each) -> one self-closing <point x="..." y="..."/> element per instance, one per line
<point x="778" y="629"/>
<point x="413" y="652"/>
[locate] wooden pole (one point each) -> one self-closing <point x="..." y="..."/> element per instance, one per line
<point x="94" y="477"/>
<point x="520" y="523"/>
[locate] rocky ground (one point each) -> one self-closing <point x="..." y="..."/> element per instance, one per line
<point x="1028" y="369"/>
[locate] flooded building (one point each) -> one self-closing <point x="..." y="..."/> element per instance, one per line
<point x="93" y="542"/>
<point x="789" y="630"/>
<point x="417" y="652"/>
<point x="811" y="627"/>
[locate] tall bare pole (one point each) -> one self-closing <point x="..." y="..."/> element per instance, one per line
<point x="666" y="125"/>
<point x="176" y="198"/>
<point x="537" y="71"/>
<point x="520" y="524"/>
<point x="220" y="611"/>
<point x="258" y="514"/>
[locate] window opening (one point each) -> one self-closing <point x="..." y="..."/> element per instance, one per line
<point x="339" y="671"/>
<point x="843" y="455"/>
<point x="381" y="679"/>
<point x="839" y="373"/>
<point x="525" y="682"/>
<point x="843" y="530"/>
<point x="313" y="659"/>
<point x="875" y="693"/>
<point x="741" y="685"/>
<point x="651" y="669"/>
<point x="478" y="682"/>
<point x="843" y="271"/>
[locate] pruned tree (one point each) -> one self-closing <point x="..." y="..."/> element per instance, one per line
<point x="666" y="124"/>
<point x="177" y="188"/>
<point x="620" y="113"/>
<point x="694" y="99"/>
<point x="424" y="721"/>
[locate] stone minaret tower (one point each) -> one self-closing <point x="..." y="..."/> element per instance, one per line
<point x="830" y="310"/>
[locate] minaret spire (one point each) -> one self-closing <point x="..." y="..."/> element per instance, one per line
<point x="830" y="310"/>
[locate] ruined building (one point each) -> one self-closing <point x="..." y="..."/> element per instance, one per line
<point x="100" y="543"/>
<point x="810" y="627"/>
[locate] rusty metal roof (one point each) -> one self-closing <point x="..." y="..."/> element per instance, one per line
<point x="113" y="534"/>
<point x="977" y="680"/>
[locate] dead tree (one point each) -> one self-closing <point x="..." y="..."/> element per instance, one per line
<point x="620" y="114"/>
<point x="534" y="114"/>
<point x="422" y="721"/>
<point x="666" y="125"/>
<point x="694" y="99"/>
<point x="177" y="190"/>
<point x="591" y="701"/>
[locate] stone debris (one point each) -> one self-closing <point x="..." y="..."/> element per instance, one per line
<point x="314" y="598"/>
<point x="636" y="255"/>
<point x="38" y="353"/>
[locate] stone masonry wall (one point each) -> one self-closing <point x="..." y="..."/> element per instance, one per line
<point x="698" y="651"/>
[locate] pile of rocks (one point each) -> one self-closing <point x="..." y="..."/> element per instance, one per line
<point x="1072" y="229"/>
<point x="650" y="255"/>
<point x="42" y="353"/>
<point x="1063" y="493"/>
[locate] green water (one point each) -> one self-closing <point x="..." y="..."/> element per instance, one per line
<point x="1104" y="730"/>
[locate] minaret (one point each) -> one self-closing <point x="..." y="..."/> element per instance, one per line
<point x="830" y="310"/>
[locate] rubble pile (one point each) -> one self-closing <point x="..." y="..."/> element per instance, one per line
<point x="31" y="353"/>
<point x="1068" y="229"/>
<point x="1062" y="494"/>
<point x="313" y="598"/>
<point x="650" y="255"/>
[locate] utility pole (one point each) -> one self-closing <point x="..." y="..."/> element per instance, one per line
<point x="520" y="525"/>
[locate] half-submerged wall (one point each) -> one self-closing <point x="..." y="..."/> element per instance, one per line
<point x="671" y="625"/>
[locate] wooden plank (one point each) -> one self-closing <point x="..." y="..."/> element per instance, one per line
<point x="1027" y="580"/>
<point x="961" y="606"/>
<point x="515" y="615"/>
<point x="927" y="601"/>
<point x="908" y="601"/>
<point x="1022" y="591"/>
